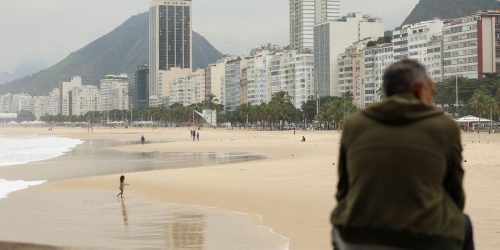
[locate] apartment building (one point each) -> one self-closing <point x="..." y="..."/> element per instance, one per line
<point x="471" y="45"/>
<point x="331" y="39"/>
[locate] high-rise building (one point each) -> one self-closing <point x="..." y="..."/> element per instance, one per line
<point x="170" y="37"/>
<point x="293" y="73"/>
<point x="66" y="99"/>
<point x="326" y="10"/>
<point x="214" y="80"/>
<point x="331" y="39"/>
<point x="377" y="58"/>
<point x="257" y="72"/>
<point x="189" y="89"/>
<point x="434" y="60"/>
<point x="472" y="45"/>
<point x="139" y="89"/>
<point x="352" y="71"/>
<point x="114" y="93"/>
<point x="6" y="103"/>
<point x="412" y="40"/>
<point x="244" y="86"/>
<point x="55" y="102"/>
<point x="41" y="106"/>
<point x="23" y="102"/>
<point x="304" y="14"/>
<point x="85" y="99"/>
<point x="232" y="83"/>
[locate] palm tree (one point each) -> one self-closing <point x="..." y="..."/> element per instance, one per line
<point x="210" y="101"/>
<point x="482" y="103"/>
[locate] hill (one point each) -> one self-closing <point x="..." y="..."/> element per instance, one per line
<point x="119" y="51"/>
<point x="430" y="9"/>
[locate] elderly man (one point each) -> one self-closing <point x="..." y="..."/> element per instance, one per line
<point x="400" y="172"/>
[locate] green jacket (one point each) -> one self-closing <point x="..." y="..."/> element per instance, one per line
<point x="400" y="177"/>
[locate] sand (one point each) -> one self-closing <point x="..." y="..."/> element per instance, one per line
<point x="292" y="189"/>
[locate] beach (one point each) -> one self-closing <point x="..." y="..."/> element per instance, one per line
<point x="288" y="189"/>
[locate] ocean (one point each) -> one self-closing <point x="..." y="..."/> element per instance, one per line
<point x="22" y="150"/>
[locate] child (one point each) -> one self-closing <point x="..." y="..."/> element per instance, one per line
<point x="122" y="186"/>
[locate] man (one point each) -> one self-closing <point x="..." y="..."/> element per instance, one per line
<point x="400" y="172"/>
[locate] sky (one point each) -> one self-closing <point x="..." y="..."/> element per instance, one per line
<point x="49" y="30"/>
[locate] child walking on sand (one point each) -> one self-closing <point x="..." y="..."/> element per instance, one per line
<point x="122" y="186"/>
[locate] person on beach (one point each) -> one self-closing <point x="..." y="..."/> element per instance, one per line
<point x="198" y="136"/>
<point x="400" y="175"/>
<point x="122" y="186"/>
<point x="143" y="140"/>
<point x="303" y="139"/>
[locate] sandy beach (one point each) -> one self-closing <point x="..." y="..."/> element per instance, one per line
<point x="290" y="189"/>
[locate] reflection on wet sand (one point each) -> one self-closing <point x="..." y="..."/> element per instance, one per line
<point x="186" y="231"/>
<point x="98" y="158"/>
<point x="124" y="213"/>
<point x="49" y="218"/>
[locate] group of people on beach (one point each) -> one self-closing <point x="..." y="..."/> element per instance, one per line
<point x="195" y="135"/>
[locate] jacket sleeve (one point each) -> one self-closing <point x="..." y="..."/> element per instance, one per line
<point x="343" y="180"/>
<point x="453" y="181"/>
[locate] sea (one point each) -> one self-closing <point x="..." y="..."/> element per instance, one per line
<point x="22" y="150"/>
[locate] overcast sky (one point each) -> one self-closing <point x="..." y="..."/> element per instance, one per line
<point x="51" y="29"/>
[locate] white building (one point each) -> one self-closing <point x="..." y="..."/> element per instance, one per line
<point x="232" y="81"/>
<point x="331" y="39"/>
<point x="352" y="71"/>
<point x="54" y="102"/>
<point x="65" y="96"/>
<point x="6" y="103"/>
<point x="293" y="73"/>
<point x="197" y="81"/>
<point x="214" y="80"/>
<point x="257" y="78"/>
<point x="434" y="60"/>
<point x="170" y="39"/>
<point x="304" y="14"/>
<point x="41" y="106"/>
<point x="376" y="58"/>
<point x="164" y="82"/>
<point x="471" y="45"/>
<point x="188" y="90"/>
<point x="422" y="42"/>
<point x="85" y="99"/>
<point x="23" y="102"/>
<point x="114" y="93"/>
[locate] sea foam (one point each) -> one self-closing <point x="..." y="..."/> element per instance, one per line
<point x="22" y="150"/>
<point x="7" y="187"/>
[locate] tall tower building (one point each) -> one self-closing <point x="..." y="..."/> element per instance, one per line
<point x="170" y="38"/>
<point x="333" y="38"/>
<point x="304" y="14"/>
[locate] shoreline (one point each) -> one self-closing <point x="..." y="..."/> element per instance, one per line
<point x="292" y="189"/>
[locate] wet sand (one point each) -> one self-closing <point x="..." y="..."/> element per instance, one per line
<point x="292" y="189"/>
<point x="99" y="220"/>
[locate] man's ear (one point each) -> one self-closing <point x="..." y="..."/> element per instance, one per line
<point x="417" y="90"/>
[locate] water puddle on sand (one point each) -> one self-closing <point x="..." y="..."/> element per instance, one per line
<point x="99" y="220"/>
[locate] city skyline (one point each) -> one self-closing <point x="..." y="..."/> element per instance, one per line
<point x="56" y="23"/>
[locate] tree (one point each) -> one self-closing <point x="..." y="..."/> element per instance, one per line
<point x="336" y="110"/>
<point x="482" y="103"/>
<point x="24" y="115"/>
<point x="210" y="101"/>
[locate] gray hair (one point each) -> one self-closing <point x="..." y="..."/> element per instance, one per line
<point x="402" y="76"/>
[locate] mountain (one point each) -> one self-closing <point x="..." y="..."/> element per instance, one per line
<point x="24" y="69"/>
<point x="119" y="51"/>
<point x="430" y="9"/>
